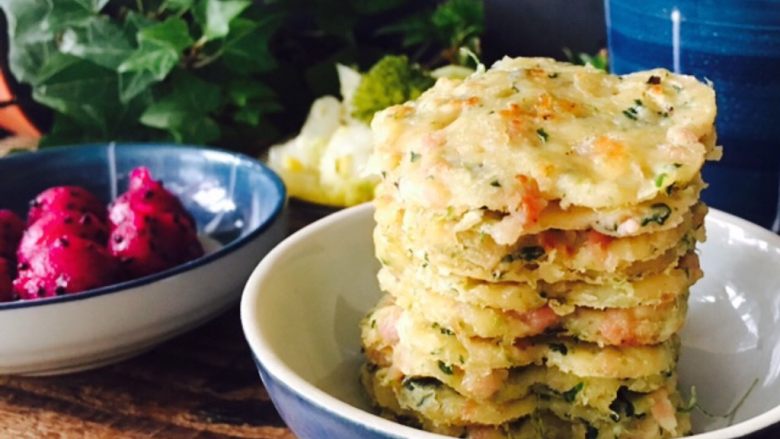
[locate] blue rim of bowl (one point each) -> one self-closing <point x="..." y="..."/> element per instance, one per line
<point x="278" y="382"/>
<point x="187" y="266"/>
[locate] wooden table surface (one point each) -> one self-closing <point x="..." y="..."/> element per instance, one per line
<point x="200" y="385"/>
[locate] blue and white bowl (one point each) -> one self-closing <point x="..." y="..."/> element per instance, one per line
<point x="237" y="204"/>
<point x="302" y="305"/>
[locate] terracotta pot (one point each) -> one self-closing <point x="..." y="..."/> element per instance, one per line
<point x="12" y="117"/>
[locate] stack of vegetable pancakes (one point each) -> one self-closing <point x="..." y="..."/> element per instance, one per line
<point x="536" y="225"/>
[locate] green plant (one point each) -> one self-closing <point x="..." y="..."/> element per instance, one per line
<point x="237" y="73"/>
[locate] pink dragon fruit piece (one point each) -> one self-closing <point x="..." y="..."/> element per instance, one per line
<point x="6" y="280"/>
<point x="144" y="194"/>
<point x="65" y="198"/>
<point x="145" y="243"/>
<point x="11" y="229"/>
<point x="54" y="224"/>
<point x="69" y="264"/>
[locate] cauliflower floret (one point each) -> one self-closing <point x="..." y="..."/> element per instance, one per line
<point x="327" y="162"/>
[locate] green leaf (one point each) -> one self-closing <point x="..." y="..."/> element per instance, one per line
<point x="148" y="65"/>
<point x="66" y="13"/>
<point x="85" y="92"/>
<point x="134" y="22"/>
<point x="172" y="33"/>
<point x="92" y="5"/>
<point x="132" y="84"/>
<point x="248" y="116"/>
<point x="30" y="35"/>
<point x="63" y="131"/>
<point x="457" y="21"/>
<point x="253" y="99"/>
<point x="52" y="65"/>
<point x="245" y="49"/>
<point x="214" y="16"/>
<point x="240" y="92"/>
<point x="183" y="112"/>
<point x="100" y="41"/>
<point x="415" y="30"/>
<point x="177" y="6"/>
<point x="152" y="58"/>
<point x="199" y="131"/>
<point x="159" y="51"/>
<point x="454" y="23"/>
<point x="67" y="131"/>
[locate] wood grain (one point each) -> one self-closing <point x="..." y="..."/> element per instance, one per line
<point x="200" y="385"/>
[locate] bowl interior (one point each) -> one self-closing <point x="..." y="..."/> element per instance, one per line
<point x="316" y="294"/>
<point x="306" y="299"/>
<point x="733" y="327"/>
<point x="229" y="195"/>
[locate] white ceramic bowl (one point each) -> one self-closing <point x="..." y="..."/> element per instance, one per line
<point x="301" y="308"/>
<point x="237" y="203"/>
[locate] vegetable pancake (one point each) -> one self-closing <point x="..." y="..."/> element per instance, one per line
<point x="537" y="225"/>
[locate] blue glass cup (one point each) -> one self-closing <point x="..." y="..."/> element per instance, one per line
<point x="736" y="45"/>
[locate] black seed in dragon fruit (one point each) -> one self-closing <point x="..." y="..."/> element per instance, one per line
<point x="68" y="264"/>
<point x="147" y="243"/>
<point x="55" y="224"/>
<point x="65" y="198"/>
<point x="147" y="195"/>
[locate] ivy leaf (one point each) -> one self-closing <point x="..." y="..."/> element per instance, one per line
<point x="100" y="41"/>
<point x="134" y="22"/>
<point x="177" y="6"/>
<point x="64" y="130"/>
<point x="86" y="94"/>
<point x="92" y="5"/>
<point x="159" y="50"/>
<point x="183" y="112"/>
<point x="214" y="16"/>
<point x="241" y="92"/>
<point x="31" y="29"/>
<point x="245" y="49"/>
<point x="415" y="30"/>
<point x="52" y="65"/>
<point x="249" y="116"/>
<point x="198" y="131"/>
<point x="171" y="33"/>
<point x="252" y="114"/>
<point x="458" y="21"/>
<point x="154" y="58"/>
<point x="453" y="23"/>
<point x="253" y="100"/>
<point x="82" y="91"/>
<point x="134" y="83"/>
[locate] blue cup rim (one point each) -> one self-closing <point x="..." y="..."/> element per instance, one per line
<point x="230" y="247"/>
